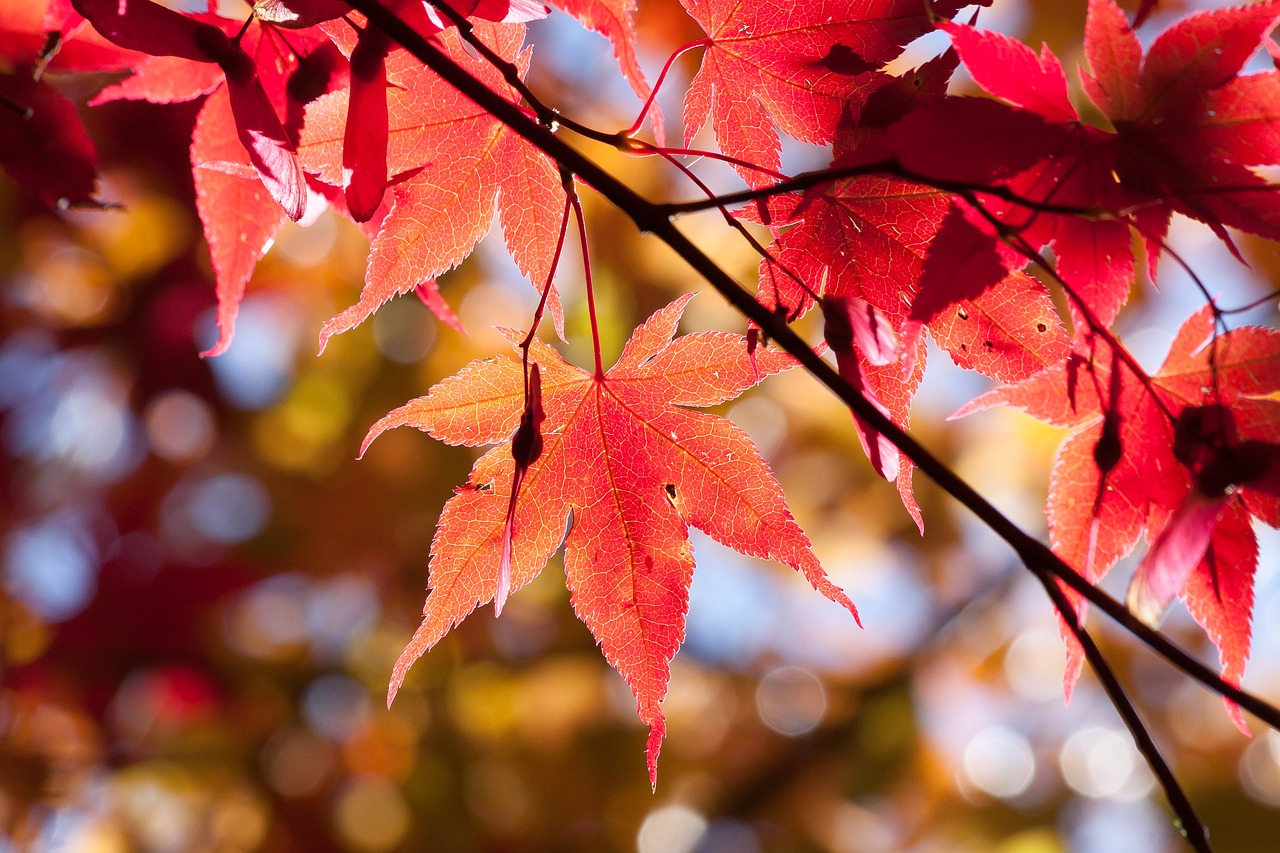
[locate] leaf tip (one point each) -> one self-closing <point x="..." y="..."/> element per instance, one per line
<point x="398" y="673"/>
<point x="657" y="731"/>
<point x="374" y="432"/>
<point x="1237" y="718"/>
<point x="224" y="340"/>
<point x="853" y="611"/>
<point x="429" y="292"/>
<point x="1071" y="672"/>
<point x="323" y="340"/>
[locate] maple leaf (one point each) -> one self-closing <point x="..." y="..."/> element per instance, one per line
<point x="449" y="160"/>
<point x="1188" y="126"/>
<point x="1162" y="471"/>
<point x="1079" y="171"/>
<point x="633" y="469"/>
<point x="796" y="63"/>
<point x="239" y="221"/>
<point x="1187" y="131"/>
<point x="867" y="238"/>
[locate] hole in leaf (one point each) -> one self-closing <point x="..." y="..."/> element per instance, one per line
<point x="1041" y="327"/>
<point x="671" y="491"/>
<point x="962" y="314"/>
<point x="843" y="60"/>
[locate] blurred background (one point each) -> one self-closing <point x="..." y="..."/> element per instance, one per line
<point x="202" y="591"/>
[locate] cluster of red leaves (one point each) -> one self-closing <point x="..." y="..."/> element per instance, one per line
<point x="1187" y="456"/>
<point x="1190" y="455"/>
<point x="935" y="206"/>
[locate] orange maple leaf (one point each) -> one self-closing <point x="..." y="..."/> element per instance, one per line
<point x="631" y="468"/>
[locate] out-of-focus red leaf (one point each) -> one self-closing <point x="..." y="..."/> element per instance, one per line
<point x="240" y="217"/>
<point x="1174" y="555"/>
<point x="364" y="149"/>
<point x="849" y="321"/>
<point x="24" y="39"/>
<point x="148" y="27"/>
<point x="797" y="64"/>
<point x="163" y="80"/>
<point x="429" y="294"/>
<point x="43" y="144"/>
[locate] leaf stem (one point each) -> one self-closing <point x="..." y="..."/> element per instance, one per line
<point x="662" y="77"/>
<point x="590" y="285"/>
<point x="566" y="180"/>
<point x="733" y="222"/>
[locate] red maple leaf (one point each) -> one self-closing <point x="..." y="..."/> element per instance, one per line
<point x="449" y="161"/>
<point x="1187" y="130"/>
<point x="632" y="468"/>
<point x="239" y="138"/>
<point x="868" y="238"/>
<point x="796" y="63"/>
<point x="1079" y="171"/>
<point x="1150" y="454"/>
<point x="1189" y="126"/>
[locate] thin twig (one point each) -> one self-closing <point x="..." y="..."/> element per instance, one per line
<point x="809" y="180"/>
<point x="1188" y="821"/>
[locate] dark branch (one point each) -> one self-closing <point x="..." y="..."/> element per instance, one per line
<point x="1189" y="822"/>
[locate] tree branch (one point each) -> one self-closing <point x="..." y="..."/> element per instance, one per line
<point x="1189" y="823"/>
